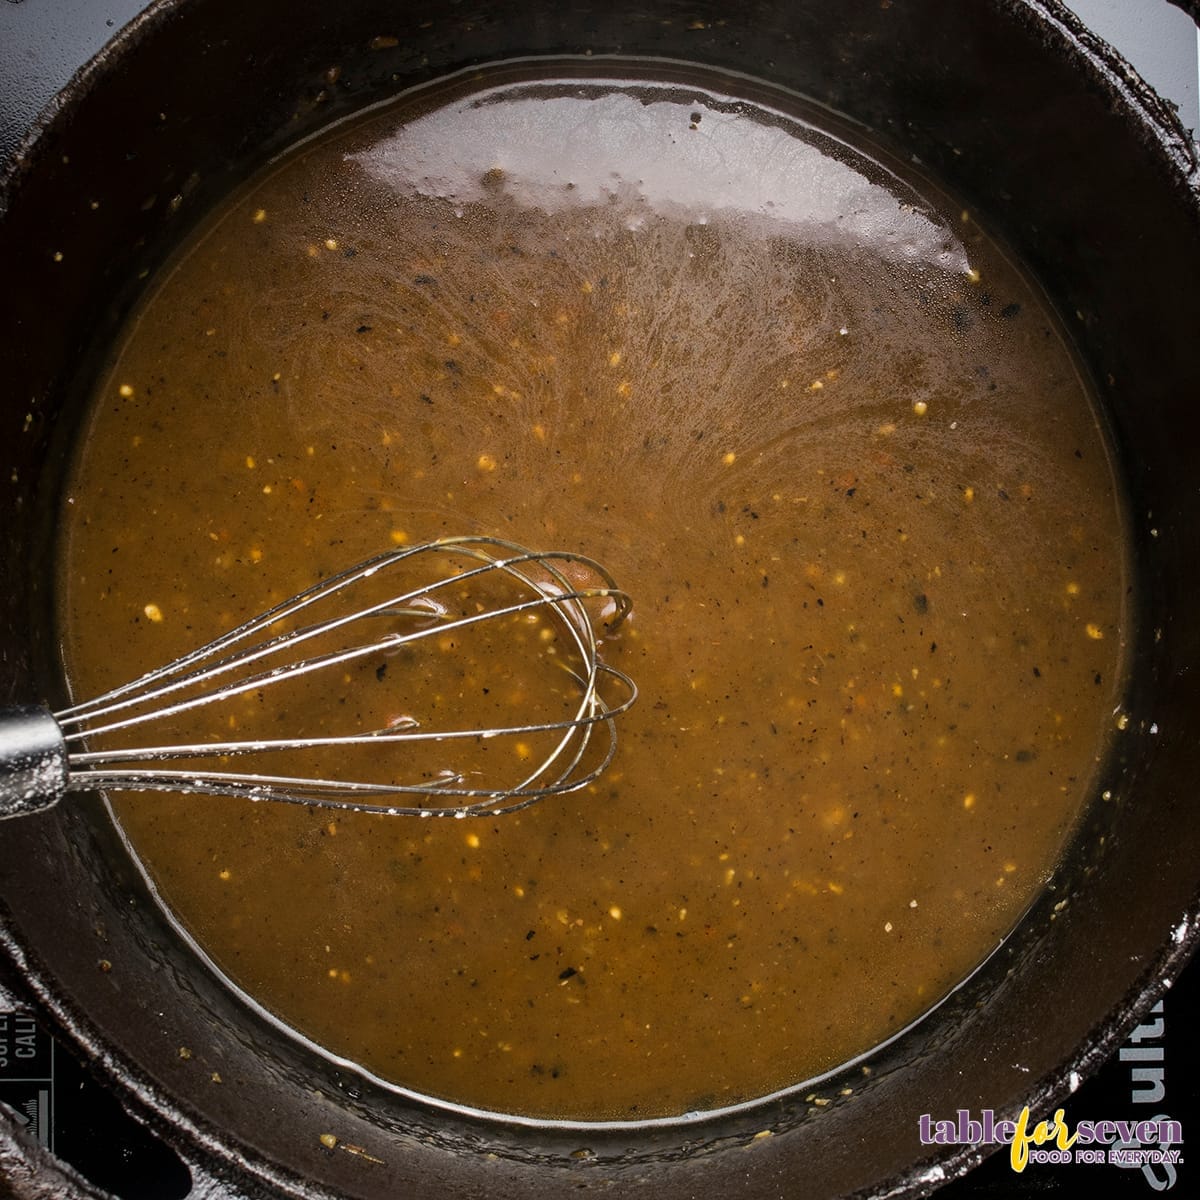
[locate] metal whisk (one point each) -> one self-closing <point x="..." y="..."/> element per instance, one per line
<point x="412" y="609"/>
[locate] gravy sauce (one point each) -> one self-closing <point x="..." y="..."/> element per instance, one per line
<point x="826" y="435"/>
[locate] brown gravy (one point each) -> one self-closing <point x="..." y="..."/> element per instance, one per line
<point x="829" y="439"/>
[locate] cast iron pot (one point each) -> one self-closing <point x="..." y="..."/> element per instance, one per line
<point x="1063" y="153"/>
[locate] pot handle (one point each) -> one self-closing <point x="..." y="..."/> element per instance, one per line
<point x="33" y="761"/>
<point x="36" y="1174"/>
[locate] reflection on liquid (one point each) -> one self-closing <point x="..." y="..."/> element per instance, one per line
<point x="648" y="150"/>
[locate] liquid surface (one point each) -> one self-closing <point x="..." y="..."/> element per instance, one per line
<point x="828" y="439"/>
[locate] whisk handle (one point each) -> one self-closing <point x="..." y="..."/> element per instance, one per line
<point x="33" y="761"/>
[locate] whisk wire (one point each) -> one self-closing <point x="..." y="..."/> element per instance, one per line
<point x="176" y="675"/>
<point x="101" y="707"/>
<point x="216" y="672"/>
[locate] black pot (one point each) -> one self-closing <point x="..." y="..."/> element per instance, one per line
<point x="1065" y="155"/>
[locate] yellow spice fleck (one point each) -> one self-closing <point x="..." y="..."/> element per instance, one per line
<point x="260" y="215"/>
<point x="225" y="875"/>
<point x="125" y="390"/>
<point x="614" y="359"/>
<point x="920" y="407"/>
<point x="729" y="458"/>
<point x="486" y="462"/>
<point x="615" y="912"/>
<point x="399" y="537"/>
<point x="328" y="1141"/>
<point x="472" y="840"/>
<point x="969" y="800"/>
<point x="1094" y="631"/>
<point x="331" y="243"/>
<point x="153" y="613"/>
